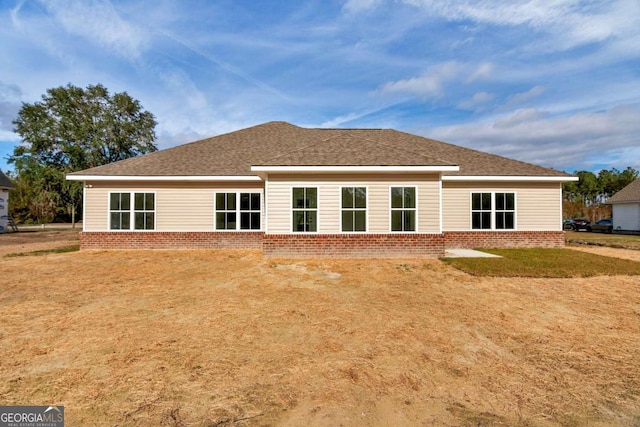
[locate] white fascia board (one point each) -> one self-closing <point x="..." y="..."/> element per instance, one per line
<point x="163" y="178"/>
<point x="316" y="169"/>
<point x="509" y="178"/>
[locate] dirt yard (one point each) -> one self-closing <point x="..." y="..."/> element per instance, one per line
<point x="226" y="338"/>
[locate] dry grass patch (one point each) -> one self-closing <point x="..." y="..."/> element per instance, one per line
<point x="227" y="338"/>
<point x="31" y="241"/>
<point x="621" y="241"/>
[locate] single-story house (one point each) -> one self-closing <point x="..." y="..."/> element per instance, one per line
<point x="299" y="192"/>
<point x="625" y="205"/>
<point x="5" y="186"/>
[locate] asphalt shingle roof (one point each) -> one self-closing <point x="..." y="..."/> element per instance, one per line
<point x="5" y="182"/>
<point x="630" y="193"/>
<point x="283" y="144"/>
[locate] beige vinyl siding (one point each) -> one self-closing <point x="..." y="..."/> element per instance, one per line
<point x="538" y="205"/>
<point x="279" y="195"/>
<point x="180" y="206"/>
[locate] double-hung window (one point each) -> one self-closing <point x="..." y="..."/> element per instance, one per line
<point x="304" y="209"/>
<point x="226" y="215"/>
<point x="481" y="211"/>
<point x="354" y="209"/>
<point x="403" y="208"/>
<point x="505" y="211"/>
<point x="493" y="211"/>
<point x="125" y="206"/>
<point x="238" y="211"/>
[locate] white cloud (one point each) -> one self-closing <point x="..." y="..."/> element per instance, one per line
<point x="532" y="93"/>
<point x="432" y="82"/>
<point x="10" y="98"/>
<point x="13" y="13"/>
<point x="519" y="117"/>
<point x="478" y="98"/>
<point x="483" y="72"/>
<point x="572" y="22"/>
<point x="357" y="6"/>
<point x="538" y="137"/>
<point x="429" y="85"/>
<point x="99" y="22"/>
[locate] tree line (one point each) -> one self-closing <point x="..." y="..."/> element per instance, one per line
<point x="586" y="198"/>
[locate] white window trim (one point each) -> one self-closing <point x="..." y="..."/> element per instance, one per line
<point x="493" y="211"/>
<point x="237" y="210"/>
<point x="366" y="209"/>
<point x="416" y="187"/>
<point x="132" y="211"/>
<point x="317" y="209"/>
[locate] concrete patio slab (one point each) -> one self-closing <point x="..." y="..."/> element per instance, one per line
<point x="468" y="253"/>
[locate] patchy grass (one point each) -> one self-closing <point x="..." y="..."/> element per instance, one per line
<point x="622" y="241"/>
<point x="62" y="250"/>
<point x="545" y="263"/>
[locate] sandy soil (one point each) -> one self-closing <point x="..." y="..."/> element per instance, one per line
<point x="220" y="338"/>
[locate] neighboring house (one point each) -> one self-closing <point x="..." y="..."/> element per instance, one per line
<point x="297" y="192"/>
<point x="626" y="207"/>
<point x="5" y="186"/>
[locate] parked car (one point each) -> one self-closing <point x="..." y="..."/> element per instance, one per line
<point x="604" y="226"/>
<point x="576" y="224"/>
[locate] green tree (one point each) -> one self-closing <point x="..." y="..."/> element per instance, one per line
<point x="72" y="129"/>
<point x="588" y="187"/>
<point x="611" y="181"/>
<point x="625" y="178"/>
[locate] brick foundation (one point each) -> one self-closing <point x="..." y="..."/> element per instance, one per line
<point x="353" y="245"/>
<point x="170" y="240"/>
<point x="326" y="245"/>
<point x="503" y="239"/>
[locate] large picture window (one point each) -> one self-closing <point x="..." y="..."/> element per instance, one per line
<point x="305" y="209"/>
<point x="403" y="208"/>
<point x="354" y="209"/>
<point x="122" y="210"/>
<point x="238" y="211"/>
<point x="493" y="211"/>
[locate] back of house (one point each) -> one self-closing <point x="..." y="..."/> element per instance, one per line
<point x="298" y="192"/>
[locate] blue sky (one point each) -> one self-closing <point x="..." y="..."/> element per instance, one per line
<point x="555" y="83"/>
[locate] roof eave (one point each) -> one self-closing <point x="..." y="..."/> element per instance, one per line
<point x="353" y="169"/>
<point x="622" y="202"/>
<point x="530" y="178"/>
<point x="183" y="178"/>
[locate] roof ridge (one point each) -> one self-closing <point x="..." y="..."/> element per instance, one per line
<point x="412" y="151"/>
<point x="297" y="150"/>
<point x="366" y="137"/>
